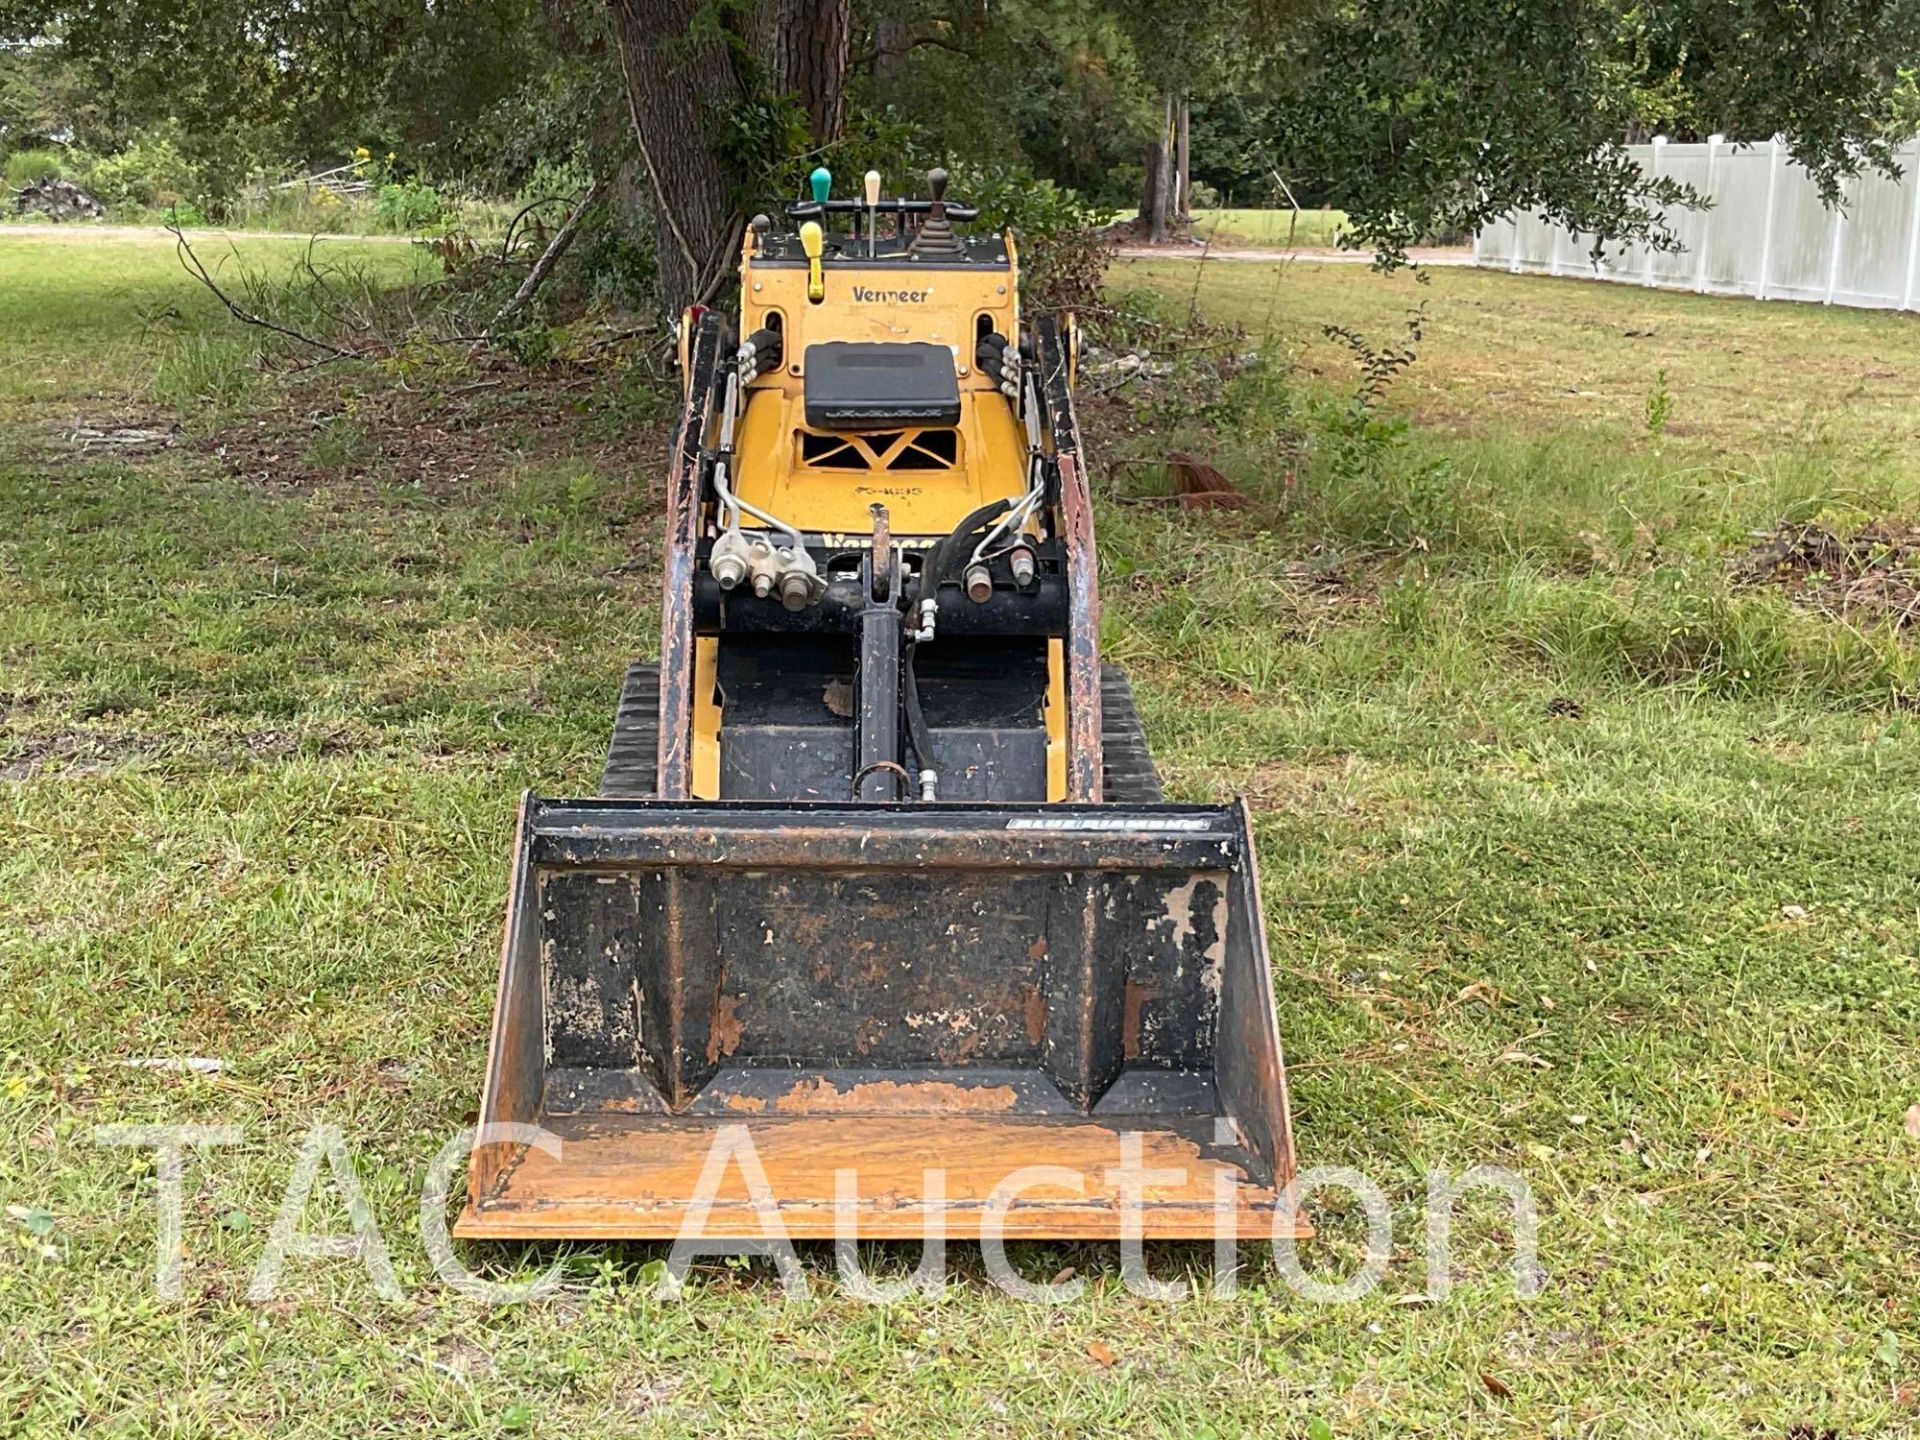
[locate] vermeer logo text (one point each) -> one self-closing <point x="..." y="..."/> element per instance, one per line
<point x="867" y="296"/>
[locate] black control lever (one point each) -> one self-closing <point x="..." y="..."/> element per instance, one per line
<point x="935" y="235"/>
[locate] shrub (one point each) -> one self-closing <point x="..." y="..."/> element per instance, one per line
<point x="410" y="205"/>
<point x="152" y="172"/>
<point x="614" y="260"/>
<point x="29" y="167"/>
<point x="1063" y="256"/>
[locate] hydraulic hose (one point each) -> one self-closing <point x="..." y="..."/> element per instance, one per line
<point x="917" y="732"/>
<point x="941" y="561"/>
<point x="931" y="574"/>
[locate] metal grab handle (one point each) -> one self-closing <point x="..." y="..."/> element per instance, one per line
<point x="898" y="771"/>
<point x="815" y="209"/>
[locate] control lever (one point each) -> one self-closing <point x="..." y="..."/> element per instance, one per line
<point x="813" y="240"/>
<point x="935" y="236"/>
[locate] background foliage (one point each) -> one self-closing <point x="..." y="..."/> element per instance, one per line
<point x="1418" y="118"/>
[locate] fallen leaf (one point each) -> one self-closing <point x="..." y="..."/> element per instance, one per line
<point x="1913" y="1122"/>
<point x="1064" y="1275"/>
<point x="1793" y="912"/>
<point x="1102" y="1354"/>
<point x="1200" y="486"/>
<point x="1496" y="1385"/>
<point x="1521" y="1057"/>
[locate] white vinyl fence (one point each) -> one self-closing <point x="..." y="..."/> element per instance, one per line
<point x="1767" y="235"/>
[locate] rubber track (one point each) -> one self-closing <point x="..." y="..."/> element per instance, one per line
<point x="1128" y="776"/>
<point x="633" y="758"/>
<point x="632" y="770"/>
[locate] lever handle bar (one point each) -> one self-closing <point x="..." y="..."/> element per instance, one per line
<point x="816" y="209"/>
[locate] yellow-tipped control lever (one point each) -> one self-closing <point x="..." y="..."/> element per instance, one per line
<point x="811" y="241"/>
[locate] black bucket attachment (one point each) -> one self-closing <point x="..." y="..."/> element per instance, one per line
<point x="973" y="990"/>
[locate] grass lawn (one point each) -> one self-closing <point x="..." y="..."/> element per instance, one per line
<point x="1579" y="858"/>
<point x="1281" y="229"/>
<point x="1503" y="357"/>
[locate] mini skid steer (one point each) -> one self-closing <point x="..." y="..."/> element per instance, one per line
<point x="879" y="887"/>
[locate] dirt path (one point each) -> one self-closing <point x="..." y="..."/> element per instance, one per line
<point x="1423" y="255"/>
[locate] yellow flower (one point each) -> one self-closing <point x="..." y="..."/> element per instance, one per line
<point x="362" y="155"/>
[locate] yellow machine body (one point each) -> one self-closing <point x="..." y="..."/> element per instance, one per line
<point x="928" y="477"/>
<point x="829" y="480"/>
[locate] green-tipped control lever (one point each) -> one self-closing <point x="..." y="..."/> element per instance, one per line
<point x="822" y="182"/>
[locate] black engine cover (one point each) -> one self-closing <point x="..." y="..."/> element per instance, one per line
<point x="857" y="386"/>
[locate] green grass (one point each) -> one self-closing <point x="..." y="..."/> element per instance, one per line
<point x="1277" y="229"/>
<point x="1655" y="948"/>
<point x="86" y="315"/>
<point x="1506" y="355"/>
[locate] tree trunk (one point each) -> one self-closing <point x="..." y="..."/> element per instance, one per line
<point x="892" y="40"/>
<point x="678" y="91"/>
<point x="1160" y="183"/>
<point x="1183" y="173"/>
<point x="1150" y="197"/>
<point x="810" y="60"/>
<point x="681" y="84"/>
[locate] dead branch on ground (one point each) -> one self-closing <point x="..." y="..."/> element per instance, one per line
<point x="193" y="266"/>
<point x="544" y="266"/>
